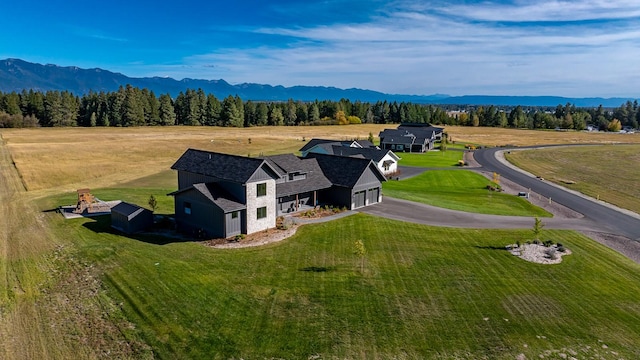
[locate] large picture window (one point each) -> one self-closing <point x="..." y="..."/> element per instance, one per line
<point x="262" y="189"/>
<point x="262" y="212"/>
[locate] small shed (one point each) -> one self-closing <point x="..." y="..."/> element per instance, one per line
<point x="130" y="218"/>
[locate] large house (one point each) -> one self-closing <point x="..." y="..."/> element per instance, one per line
<point x="221" y="195"/>
<point x="410" y="138"/>
<point x="385" y="160"/>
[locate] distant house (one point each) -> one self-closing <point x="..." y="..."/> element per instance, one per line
<point x="385" y="160"/>
<point x="130" y="218"/>
<point x="221" y="195"/>
<point x="410" y="138"/>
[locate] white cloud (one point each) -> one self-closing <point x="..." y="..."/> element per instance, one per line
<point x="416" y="50"/>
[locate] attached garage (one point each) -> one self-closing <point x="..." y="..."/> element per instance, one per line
<point x="373" y="195"/>
<point x="359" y="199"/>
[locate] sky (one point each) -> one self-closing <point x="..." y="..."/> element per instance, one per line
<point x="570" y="48"/>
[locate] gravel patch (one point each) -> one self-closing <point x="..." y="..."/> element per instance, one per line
<point x="537" y="253"/>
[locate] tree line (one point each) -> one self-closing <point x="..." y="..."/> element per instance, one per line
<point x="132" y="106"/>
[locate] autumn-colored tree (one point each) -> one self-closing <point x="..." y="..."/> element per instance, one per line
<point x="614" y="125"/>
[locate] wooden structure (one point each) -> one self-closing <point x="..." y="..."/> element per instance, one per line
<point x="89" y="203"/>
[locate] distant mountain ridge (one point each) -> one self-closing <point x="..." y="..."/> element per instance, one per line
<point x="16" y="75"/>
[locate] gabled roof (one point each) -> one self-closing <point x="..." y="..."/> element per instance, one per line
<point x="406" y="140"/>
<point x="345" y="171"/>
<point x="346" y="143"/>
<point x="233" y="168"/>
<point x="289" y="163"/>
<point x="217" y="195"/>
<point x="413" y="126"/>
<point x="128" y="210"/>
<point x="368" y="153"/>
<point x="314" y="142"/>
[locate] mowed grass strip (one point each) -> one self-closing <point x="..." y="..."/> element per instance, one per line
<point x="610" y="173"/>
<point x="425" y="293"/>
<point x="431" y="158"/>
<point x="462" y="190"/>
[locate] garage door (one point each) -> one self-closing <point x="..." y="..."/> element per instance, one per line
<point x="372" y="195"/>
<point x="359" y="198"/>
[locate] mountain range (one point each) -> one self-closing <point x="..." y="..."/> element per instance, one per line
<point x="16" y="75"/>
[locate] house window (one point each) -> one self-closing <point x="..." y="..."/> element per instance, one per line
<point x="262" y="189"/>
<point x="234" y="215"/>
<point x="187" y="208"/>
<point x="262" y="212"/>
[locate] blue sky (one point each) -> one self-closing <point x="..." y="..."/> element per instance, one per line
<point x="516" y="47"/>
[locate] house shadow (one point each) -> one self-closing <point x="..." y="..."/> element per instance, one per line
<point x="156" y="235"/>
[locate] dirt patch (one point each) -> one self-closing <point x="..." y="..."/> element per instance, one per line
<point x="539" y="254"/>
<point x="621" y="244"/>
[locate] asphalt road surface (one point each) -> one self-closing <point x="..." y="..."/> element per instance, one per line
<point x="600" y="215"/>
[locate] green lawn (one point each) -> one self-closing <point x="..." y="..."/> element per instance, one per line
<point x="460" y="190"/>
<point x="426" y="293"/>
<point x="431" y="158"/>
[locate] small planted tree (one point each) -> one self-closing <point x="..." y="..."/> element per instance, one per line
<point x="370" y="138"/>
<point x="359" y="250"/>
<point x="537" y="229"/>
<point x="153" y="203"/>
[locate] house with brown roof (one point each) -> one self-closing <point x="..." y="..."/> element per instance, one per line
<point x="222" y="195"/>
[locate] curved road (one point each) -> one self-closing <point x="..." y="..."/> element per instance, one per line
<point x="607" y="218"/>
<point x="598" y="217"/>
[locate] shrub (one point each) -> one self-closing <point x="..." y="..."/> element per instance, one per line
<point x="551" y="253"/>
<point x="561" y="248"/>
<point x="518" y="243"/>
<point x="548" y="243"/>
<point x="239" y="237"/>
<point x="460" y="162"/>
<point x="536" y="241"/>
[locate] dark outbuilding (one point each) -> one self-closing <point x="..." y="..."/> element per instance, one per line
<point x="130" y="218"/>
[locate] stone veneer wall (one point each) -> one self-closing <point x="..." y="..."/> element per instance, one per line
<point x="253" y="203"/>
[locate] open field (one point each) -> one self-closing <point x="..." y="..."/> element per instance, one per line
<point x="520" y="137"/>
<point x="460" y="190"/>
<point x="610" y="173"/>
<point x="425" y="293"/>
<point x="64" y="159"/>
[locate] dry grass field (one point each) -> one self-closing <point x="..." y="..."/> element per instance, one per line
<point x="610" y="173"/>
<point x="518" y="137"/>
<point x="64" y="159"/>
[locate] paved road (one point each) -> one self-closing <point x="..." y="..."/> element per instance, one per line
<point x="430" y="215"/>
<point x="606" y="218"/>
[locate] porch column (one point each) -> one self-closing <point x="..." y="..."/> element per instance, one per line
<point x="297" y="202"/>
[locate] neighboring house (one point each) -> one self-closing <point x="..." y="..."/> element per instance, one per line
<point x="130" y="218"/>
<point x="222" y="195"/>
<point x="410" y="138"/>
<point x="385" y="160"/>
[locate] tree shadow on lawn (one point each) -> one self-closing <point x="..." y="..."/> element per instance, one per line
<point x="491" y="247"/>
<point x="102" y="224"/>
<point x="318" y="268"/>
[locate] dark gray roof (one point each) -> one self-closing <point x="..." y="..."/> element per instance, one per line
<point x="222" y="166"/>
<point x="368" y="153"/>
<point x="344" y="171"/>
<point x="407" y="140"/>
<point x="219" y="196"/>
<point x="366" y="143"/>
<point x="413" y="126"/>
<point x="290" y="163"/>
<point x="216" y="194"/>
<point x="128" y="210"/>
<point x="314" y="142"/>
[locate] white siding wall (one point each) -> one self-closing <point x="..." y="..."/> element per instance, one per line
<point x="392" y="168"/>
<point x="254" y="202"/>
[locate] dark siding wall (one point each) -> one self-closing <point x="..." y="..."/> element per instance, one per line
<point x="204" y="215"/>
<point x="262" y="174"/>
<point x="337" y="196"/>
<point x="187" y="179"/>
<point x="119" y="221"/>
<point x="235" y="189"/>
